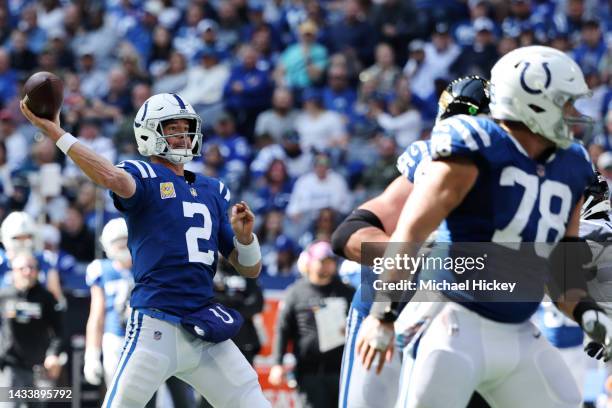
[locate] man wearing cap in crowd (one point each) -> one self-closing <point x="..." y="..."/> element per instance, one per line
<point x="288" y="150"/>
<point x="312" y="316"/>
<point x="479" y="58"/>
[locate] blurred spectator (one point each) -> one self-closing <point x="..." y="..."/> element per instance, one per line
<point x="319" y="128"/>
<point x="302" y="65"/>
<point x="275" y="191"/>
<point x="50" y="14"/>
<point x="205" y="80"/>
<point x="380" y="174"/>
<point x="132" y="65"/>
<point x="186" y="37"/>
<point x="229" y="25"/>
<point x="8" y="78"/>
<point x="116" y="101"/>
<point x="403" y="120"/>
<point x="297" y="160"/>
<point x="384" y="72"/>
<point x="569" y="19"/>
<point x="338" y="95"/>
<point x="257" y="22"/>
<point x="174" y="76"/>
<point x="15" y="141"/>
<point x="140" y="35"/>
<point x="319" y="189"/>
<point x="396" y="23"/>
<point x="479" y="58"/>
<point x="505" y="45"/>
<point x="429" y="61"/>
<point x="31" y="329"/>
<point x="93" y="79"/>
<point x="522" y="19"/>
<point x="322" y="227"/>
<point x="98" y="35"/>
<point x="5" y="25"/>
<point x="90" y="201"/>
<point x="314" y="306"/>
<point x="208" y="31"/>
<point x="76" y="239"/>
<point x="463" y="32"/>
<point x="123" y="139"/>
<point x="352" y="35"/>
<point x="591" y="105"/>
<point x="36" y="36"/>
<point x="160" y="49"/>
<point x="234" y="149"/>
<point x="245" y="296"/>
<point x="592" y="49"/>
<point x="272" y="124"/>
<point x="270" y="228"/>
<point x="6" y="183"/>
<point x="90" y="135"/>
<point x="262" y="41"/>
<point x="603" y="140"/>
<point x="22" y="57"/>
<point x="247" y="91"/>
<point x="279" y="268"/>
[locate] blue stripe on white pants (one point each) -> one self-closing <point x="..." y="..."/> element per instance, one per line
<point x="125" y="360"/>
<point x="348" y="357"/>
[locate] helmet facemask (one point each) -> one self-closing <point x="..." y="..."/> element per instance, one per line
<point x="184" y="150"/>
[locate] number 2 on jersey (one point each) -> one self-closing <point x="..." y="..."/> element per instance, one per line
<point x="511" y="176"/>
<point x="194" y="233"/>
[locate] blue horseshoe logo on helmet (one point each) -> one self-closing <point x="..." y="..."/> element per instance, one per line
<point x="531" y="90"/>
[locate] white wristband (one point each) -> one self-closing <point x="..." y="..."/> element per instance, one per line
<point x="248" y="255"/>
<point x="65" y="142"/>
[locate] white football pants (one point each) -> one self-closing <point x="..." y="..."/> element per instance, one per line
<point x="510" y="365"/>
<point x="156" y="350"/>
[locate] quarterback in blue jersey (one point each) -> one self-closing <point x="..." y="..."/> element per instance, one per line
<point x="178" y="223"/>
<point x="374" y="221"/>
<point x="496" y="181"/>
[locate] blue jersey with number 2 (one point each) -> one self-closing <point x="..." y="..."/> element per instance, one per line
<point x="176" y="230"/>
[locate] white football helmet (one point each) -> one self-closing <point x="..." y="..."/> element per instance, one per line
<point x="531" y="85"/>
<point x="18" y="232"/>
<point x="113" y="231"/>
<point x="148" y="128"/>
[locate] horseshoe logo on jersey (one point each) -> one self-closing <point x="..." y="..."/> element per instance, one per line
<point x="530" y="90"/>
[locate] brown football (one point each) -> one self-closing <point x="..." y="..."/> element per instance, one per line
<point x="44" y="94"/>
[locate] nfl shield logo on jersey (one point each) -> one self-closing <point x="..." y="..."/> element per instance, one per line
<point x="193" y="192"/>
<point x="166" y="190"/>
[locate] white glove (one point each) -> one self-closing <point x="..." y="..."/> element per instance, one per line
<point x="598" y="326"/>
<point x="93" y="366"/>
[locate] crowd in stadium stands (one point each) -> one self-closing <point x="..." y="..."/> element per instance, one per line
<point x="305" y="103"/>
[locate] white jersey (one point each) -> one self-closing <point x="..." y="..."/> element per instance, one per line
<point x="598" y="234"/>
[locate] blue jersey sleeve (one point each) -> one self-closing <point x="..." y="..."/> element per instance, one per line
<point x="459" y="136"/>
<point x="226" y="234"/>
<point x="139" y="170"/>
<point x="93" y="274"/>
<point x="413" y="156"/>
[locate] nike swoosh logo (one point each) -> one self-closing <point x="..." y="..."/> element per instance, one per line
<point x="160" y="108"/>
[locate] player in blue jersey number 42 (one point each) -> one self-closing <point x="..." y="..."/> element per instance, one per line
<point x="517" y="178"/>
<point x="177" y="224"/>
